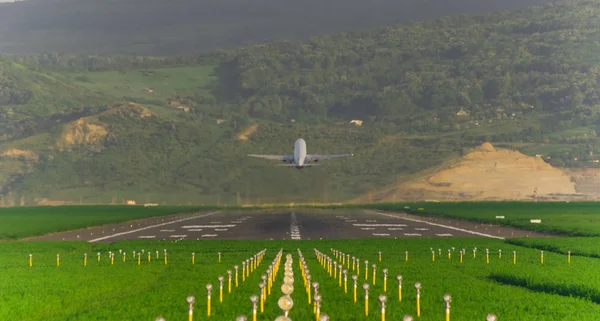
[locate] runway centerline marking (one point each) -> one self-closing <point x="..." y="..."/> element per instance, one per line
<point x="146" y="236"/>
<point x="441" y="225"/>
<point x="294" y="230"/>
<point x="152" y="226"/>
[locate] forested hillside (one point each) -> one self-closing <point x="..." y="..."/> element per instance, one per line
<point x="97" y="128"/>
<point x="176" y="27"/>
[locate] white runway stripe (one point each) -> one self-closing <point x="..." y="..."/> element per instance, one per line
<point x="195" y="230"/>
<point x="209" y="226"/>
<point x="421" y="229"/>
<point x="177" y="235"/>
<point x="440" y="225"/>
<point x="380" y="225"/>
<point x="444" y="234"/>
<point x="146" y="236"/>
<point x="152" y="226"/>
<point x="380" y="234"/>
<point x="167" y="230"/>
<point x="209" y="235"/>
<point x="221" y="229"/>
<point x="412" y="234"/>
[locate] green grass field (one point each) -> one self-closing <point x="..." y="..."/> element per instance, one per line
<point x="20" y="222"/>
<point x="565" y="218"/>
<point x="583" y="246"/>
<point x="126" y="291"/>
<point x="166" y="82"/>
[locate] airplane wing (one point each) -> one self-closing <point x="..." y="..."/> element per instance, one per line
<point x="286" y="158"/>
<point x="315" y="157"/>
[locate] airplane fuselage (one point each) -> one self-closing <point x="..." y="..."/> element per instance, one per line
<point x="299" y="153"/>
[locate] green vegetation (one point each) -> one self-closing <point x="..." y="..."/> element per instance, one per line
<point x="580" y="246"/>
<point x="82" y="128"/>
<point x="153" y="288"/>
<point x="566" y="218"/>
<point x="20" y="222"/>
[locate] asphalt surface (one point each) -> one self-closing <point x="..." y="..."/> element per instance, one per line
<point x="288" y="225"/>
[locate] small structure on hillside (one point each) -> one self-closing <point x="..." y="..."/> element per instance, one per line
<point x="462" y="112"/>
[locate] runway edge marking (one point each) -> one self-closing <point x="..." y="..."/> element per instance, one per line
<point x="441" y="225"/>
<point x="152" y="226"/>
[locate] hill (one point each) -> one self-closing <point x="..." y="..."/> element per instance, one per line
<point x="177" y="129"/>
<point x="177" y="27"/>
<point x="486" y="173"/>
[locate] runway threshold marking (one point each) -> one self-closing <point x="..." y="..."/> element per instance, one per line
<point x="441" y="225"/>
<point x="152" y="226"/>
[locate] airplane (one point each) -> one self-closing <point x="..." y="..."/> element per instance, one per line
<point x="300" y="159"/>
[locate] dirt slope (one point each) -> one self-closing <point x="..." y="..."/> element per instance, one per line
<point x="486" y="173"/>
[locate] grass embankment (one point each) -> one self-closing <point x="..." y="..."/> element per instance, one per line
<point x="20" y="222"/>
<point x="128" y="291"/>
<point x="563" y="218"/>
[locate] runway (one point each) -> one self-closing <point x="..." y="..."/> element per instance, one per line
<point x="287" y="225"/>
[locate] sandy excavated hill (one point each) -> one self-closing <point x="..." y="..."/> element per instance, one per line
<point x="486" y="173"/>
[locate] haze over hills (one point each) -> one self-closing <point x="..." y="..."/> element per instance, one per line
<point x="79" y="128"/>
<point x="159" y="27"/>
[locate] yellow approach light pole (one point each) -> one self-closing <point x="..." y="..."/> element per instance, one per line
<point x="355" y="278"/>
<point x="374" y="273"/>
<point x="382" y="299"/>
<point x="418" y="287"/>
<point x="399" y="278"/>
<point x="254" y="300"/>
<point x="220" y="278"/>
<point x="385" y="272"/>
<point x="190" y="300"/>
<point x="447" y="300"/>
<point x="208" y="290"/>
<point x="366" y="288"/>
<point x="229" y="281"/>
